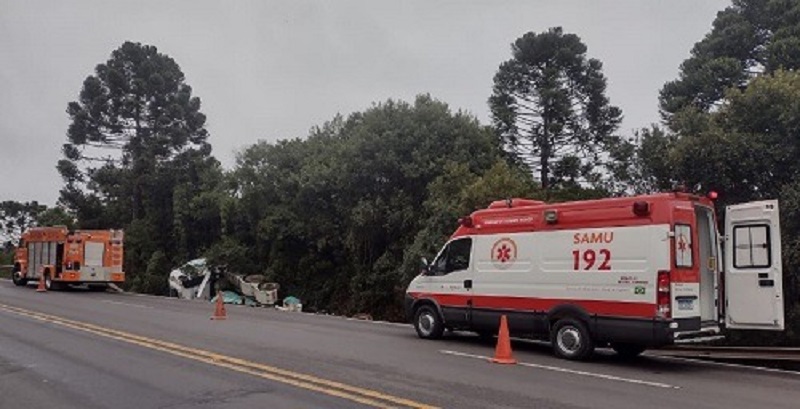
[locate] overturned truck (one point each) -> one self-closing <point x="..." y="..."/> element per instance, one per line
<point x="196" y="279"/>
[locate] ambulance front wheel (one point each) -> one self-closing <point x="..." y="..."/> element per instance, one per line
<point x="428" y="323"/>
<point x="571" y="339"/>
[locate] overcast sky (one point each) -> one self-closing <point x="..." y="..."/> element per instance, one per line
<point x="273" y="69"/>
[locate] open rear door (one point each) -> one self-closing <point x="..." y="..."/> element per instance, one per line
<point x="753" y="272"/>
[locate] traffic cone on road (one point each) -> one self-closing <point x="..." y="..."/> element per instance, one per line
<point x="502" y="354"/>
<point x="41" y="288"/>
<point x="219" y="310"/>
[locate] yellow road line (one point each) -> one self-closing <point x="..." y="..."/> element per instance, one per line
<point x="309" y="382"/>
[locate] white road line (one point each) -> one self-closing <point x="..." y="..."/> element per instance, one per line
<point x="572" y="371"/>
<point x="126" y="304"/>
<point x="723" y="364"/>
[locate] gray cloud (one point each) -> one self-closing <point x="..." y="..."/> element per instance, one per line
<point x="272" y="69"/>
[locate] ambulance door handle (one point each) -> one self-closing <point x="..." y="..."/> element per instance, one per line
<point x="467" y="284"/>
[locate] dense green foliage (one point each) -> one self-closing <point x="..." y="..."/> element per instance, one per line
<point x="336" y="218"/>
<point x="750" y="38"/>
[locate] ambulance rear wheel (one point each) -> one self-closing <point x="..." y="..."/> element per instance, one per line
<point x="571" y="339"/>
<point x="627" y="351"/>
<point x="428" y="323"/>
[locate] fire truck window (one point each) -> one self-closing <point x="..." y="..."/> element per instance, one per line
<point x="93" y="253"/>
<point x="751" y="246"/>
<point x="458" y="255"/>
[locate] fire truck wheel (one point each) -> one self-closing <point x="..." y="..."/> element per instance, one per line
<point x="627" y="351"/>
<point x="18" y="279"/>
<point x="571" y="339"/>
<point x="428" y="323"/>
<point x="51" y="285"/>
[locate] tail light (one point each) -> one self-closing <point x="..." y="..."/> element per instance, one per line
<point x="663" y="297"/>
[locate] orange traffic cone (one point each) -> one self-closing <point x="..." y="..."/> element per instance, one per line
<point x="502" y="354"/>
<point x="219" y="311"/>
<point x="41" y="288"/>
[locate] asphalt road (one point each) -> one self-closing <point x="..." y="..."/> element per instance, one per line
<point x="103" y="350"/>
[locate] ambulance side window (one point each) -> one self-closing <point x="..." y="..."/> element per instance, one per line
<point x="683" y="246"/>
<point x="455" y="257"/>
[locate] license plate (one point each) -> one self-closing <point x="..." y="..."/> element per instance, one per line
<point x="685" y="305"/>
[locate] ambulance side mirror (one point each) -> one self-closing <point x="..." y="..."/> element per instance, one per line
<point x="424" y="267"/>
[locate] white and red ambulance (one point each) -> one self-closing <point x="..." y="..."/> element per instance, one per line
<point x="632" y="273"/>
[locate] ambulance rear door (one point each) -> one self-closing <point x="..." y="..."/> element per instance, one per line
<point x="753" y="272"/>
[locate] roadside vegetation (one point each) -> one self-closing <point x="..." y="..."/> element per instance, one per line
<point x="341" y="216"/>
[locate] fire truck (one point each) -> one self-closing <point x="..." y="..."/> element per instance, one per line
<point x="62" y="257"/>
<point x="631" y="273"/>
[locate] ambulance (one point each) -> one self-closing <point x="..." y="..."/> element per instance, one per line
<point x="631" y="273"/>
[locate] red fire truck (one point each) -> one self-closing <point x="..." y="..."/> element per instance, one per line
<point x="62" y="257"/>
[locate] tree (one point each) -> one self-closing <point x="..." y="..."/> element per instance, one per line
<point x="137" y="158"/>
<point x="647" y="167"/>
<point x="16" y="217"/>
<point x="549" y="107"/>
<point x="749" y="38"/>
<point x="747" y="149"/>
<point x="331" y="217"/>
<point x="137" y="105"/>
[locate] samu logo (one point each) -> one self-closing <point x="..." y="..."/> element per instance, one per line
<point x="504" y="253"/>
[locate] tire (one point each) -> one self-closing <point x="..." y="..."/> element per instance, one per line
<point x="428" y="323"/>
<point x="571" y="339"/>
<point x="51" y="285"/>
<point x="18" y="280"/>
<point x="628" y="351"/>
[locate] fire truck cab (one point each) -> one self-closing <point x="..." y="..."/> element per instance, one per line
<point x="62" y="257"/>
<point x="633" y="273"/>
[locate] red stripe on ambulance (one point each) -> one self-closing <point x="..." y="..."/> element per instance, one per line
<point x="607" y="308"/>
